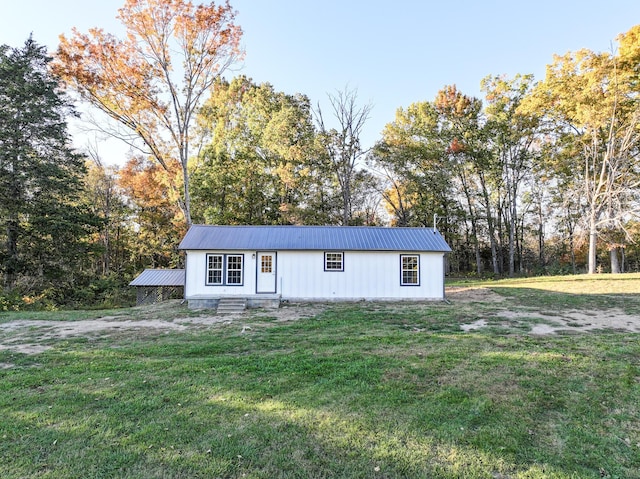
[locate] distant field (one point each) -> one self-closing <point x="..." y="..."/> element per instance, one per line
<point x="628" y="283"/>
<point x="525" y="378"/>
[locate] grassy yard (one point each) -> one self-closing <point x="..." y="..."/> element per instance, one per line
<point x="337" y="391"/>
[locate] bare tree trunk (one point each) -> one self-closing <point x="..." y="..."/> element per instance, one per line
<point x="593" y="238"/>
<point x="541" y="258"/>
<point x="572" y="244"/>
<point x="519" y="261"/>
<point x="615" y="260"/>
<point x="185" y="202"/>
<point x="342" y="145"/>
<point x="346" y="203"/>
<point x="573" y="253"/>
<point x="473" y="218"/>
<point x="500" y="234"/>
<point x="490" y="225"/>
<point x="474" y="232"/>
<point x="512" y="246"/>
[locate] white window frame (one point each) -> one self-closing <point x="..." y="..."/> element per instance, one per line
<point x="229" y="271"/>
<point x="404" y="270"/>
<point x="331" y="262"/>
<point x="211" y="270"/>
<point x="225" y="272"/>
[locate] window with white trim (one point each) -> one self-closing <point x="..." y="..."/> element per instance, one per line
<point x="409" y="270"/>
<point x="333" y="261"/>
<point x="234" y="269"/>
<point x="214" y="268"/>
<point x="225" y="269"/>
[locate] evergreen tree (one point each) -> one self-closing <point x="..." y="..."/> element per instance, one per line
<point x="43" y="226"/>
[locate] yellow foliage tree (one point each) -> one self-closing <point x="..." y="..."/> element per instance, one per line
<point x="152" y="82"/>
<point x="589" y="100"/>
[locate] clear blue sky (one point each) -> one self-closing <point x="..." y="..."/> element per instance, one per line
<point x="393" y="52"/>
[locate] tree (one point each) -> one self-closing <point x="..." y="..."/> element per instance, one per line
<point x="255" y="168"/>
<point x="342" y="146"/>
<point x="107" y="203"/>
<point x="154" y="214"/>
<point x="512" y="133"/>
<point x="629" y="56"/>
<point x="42" y="221"/>
<point x="416" y="160"/>
<point x="590" y="100"/>
<point x="365" y="199"/>
<point x="463" y="127"/>
<point x="138" y="83"/>
<point x="410" y="159"/>
<point x="437" y="161"/>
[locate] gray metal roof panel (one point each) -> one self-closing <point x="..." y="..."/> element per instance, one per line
<point x="348" y="238"/>
<point x="159" y="277"/>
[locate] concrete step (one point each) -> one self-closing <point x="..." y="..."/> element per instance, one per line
<point x="231" y="305"/>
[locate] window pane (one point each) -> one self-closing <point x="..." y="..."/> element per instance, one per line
<point x="409" y="277"/>
<point x="215" y="277"/>
<point x="266" y="264"/>
<point x="333" y="261"/>
<point x="409" y="263"/>
<point x="410" y="270"/>
<point x="234" y="277"/>
<point x="214" y="269"/>
<point x="234" y="269"/>
<point x="234" y="262"/>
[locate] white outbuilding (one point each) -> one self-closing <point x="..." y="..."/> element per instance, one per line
<point x="265" y="265"/>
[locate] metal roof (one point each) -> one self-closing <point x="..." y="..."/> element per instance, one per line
<point x="344" y="238"/>
<point x="159" y="277"/>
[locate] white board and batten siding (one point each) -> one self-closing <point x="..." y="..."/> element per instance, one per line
<point x="365" y="275"/>
<point x="314" y="262"/>
<point x="196" y="278"/>
<point x="301" y="275"/>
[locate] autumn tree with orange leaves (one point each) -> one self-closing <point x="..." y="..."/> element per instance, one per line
<point x="153" y="81"/>
<point x="154" y="213"/>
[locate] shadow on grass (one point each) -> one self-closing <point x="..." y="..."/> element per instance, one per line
<point x="231" y="433"/>
<point x="539" y="299"/>
<point x="348" y="394"/>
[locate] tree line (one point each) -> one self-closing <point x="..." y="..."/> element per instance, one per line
<point x="536" y="177"/>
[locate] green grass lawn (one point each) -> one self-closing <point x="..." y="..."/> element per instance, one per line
<point x="354" y="391"/>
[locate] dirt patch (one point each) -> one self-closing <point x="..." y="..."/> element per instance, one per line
<point x="32" y="336"/>
<point x="481" y="323"/>
<point x="543" y="324"/>
<point x="293" y="311"/>
<point x="64" y="329"/>
<point x="472" y="295"/>
<point x="24" y="348"/>
<point x="543" y="329"/>
<point x="287" y="312"/>
<point x="37" y="336"/>
<point x="573" y="320"/>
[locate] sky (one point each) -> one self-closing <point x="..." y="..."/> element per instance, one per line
<point x="393" y="53"/>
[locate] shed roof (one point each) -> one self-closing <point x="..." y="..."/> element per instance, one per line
<point x="344" y="238"/>
<point x="159" y="277"/>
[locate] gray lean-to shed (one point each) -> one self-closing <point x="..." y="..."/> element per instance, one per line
<point x="154" y="285"/>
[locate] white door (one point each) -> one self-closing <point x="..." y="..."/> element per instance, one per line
<point x="266" y="265"/>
